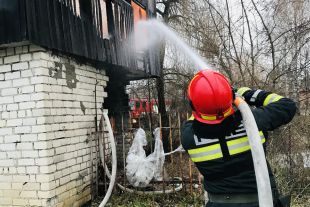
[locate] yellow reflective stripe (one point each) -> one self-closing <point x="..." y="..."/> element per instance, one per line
<point x="239" y="150"/>
<point x="211" y="117"/>
<point x="204" y="149"/>
<point x="242" y="90"/>
<point x="272" y="98"/>
<point x="191" y="118"/>
<point x="208" y="157"/>
<point x="244" y="144"/>
<point x="237" y="141"/>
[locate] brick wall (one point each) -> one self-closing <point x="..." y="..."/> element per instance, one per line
<point x="47" y="106"/>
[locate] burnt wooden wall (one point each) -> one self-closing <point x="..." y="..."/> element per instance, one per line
<point x="56" y="25"/>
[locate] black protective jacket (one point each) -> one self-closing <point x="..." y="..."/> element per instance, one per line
<point x="221" y="152"/>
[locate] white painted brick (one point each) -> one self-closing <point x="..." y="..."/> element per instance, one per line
<point x="27" y="105"/>
<point x="28" y="194"/>
<point x="71" y="162"/>
<point x="12" y="138"/>
<point x="10" y="193"/>
<point x="5" y="131"/>
<point x="12" y="75"/>
<point x="41" y="120"/>
<point x="41" y="112"/>
<point x="29" y="113"/>
<point x="1" y="76"/>
<point x="41" y="55"/>
<point x="6" y="84"/>
<point x="20" y="66"/>
<point x="10" y="51"/>
<point x="57" y="89"/>
<point x="33" y="170"/>
<point x="30" y="154"/>
<point x="21" y="82"/>
<point x="26" y="73"/>
<point x="48" y="186"/>
<point x="5" y="68"/>
<point x="11" y="59"/>
<point x="22" y="98"/>
<point x="55" y="127"/>
<point x="14" y="154"/>
<point x="61" y="165"/>
<point x="6" y="163"/>
<point x="48" y="169"/>
<point x="46" y="136"/>
<point x="61" y="150"/>
<point x="2" y="53"/>
<point x="2" y="156"/>
<point x="21" y="114"/>
<point x="41" y="128"/>
<point x="66" y="172"/>
<point x="9" y="91"/>
<point x="58" y="104"/>
<point x="20" y="170"/>
<point x="25" y="57"/>
<point x="28" y="137"/>
<point x="35" y="202"/>
<point x="25" y="48"/>
<point x="6" y="100"/>
<point x="45" y="178"/>
<point x="4" y="178"/>
<point x="13" y="114"/>
<point x="25" y="162"/>
<point x="27" y="89"/>
<point x="42" y="145"/>
<point x="21" y="178"/>
<point x="22" y="129"/>
<point x="46" y="194"/>
<point x="25" y="146"/>
<point x="60" y="190"/>
<point x="50" y="64"/>
<point x="43" y="88"/>
<point x="44" y="161"/>
<point x="19" y="50"/>
<point x="37" y="63"/>
<point x="62" y="82"/>
<point x="6" y="201"/>
<point x="35" y="48"/>
<point x="47" y="153"/>
<point x="29" y="121"/>
<point x="12" y="107"/>
<point x="14" y="122"/>
<point x="41" y="71"/>
<point x="13" y="170"/>
<point x="20" y="202"/>
<point x="64" y="180"/>
<point x="44" y="104"/>
<point x="39" y="96"/>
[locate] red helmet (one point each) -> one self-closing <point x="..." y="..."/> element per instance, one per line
<point x="211" y="97"/>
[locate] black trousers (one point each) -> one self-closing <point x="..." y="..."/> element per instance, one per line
<point x="281" y="202"/>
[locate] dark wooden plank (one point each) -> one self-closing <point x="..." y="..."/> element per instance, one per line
<point x="58" y="24"/>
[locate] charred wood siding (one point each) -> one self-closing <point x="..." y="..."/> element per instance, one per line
<point x="57" y="25"/>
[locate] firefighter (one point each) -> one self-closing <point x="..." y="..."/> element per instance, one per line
<point x="216" y="140"/>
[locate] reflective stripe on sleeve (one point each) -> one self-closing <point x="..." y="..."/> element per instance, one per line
<point x="272" y="98"/>
<point x="253" y="98"/>
<point x="242" y="90"/>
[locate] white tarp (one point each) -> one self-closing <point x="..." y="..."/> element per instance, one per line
<point x="141" y="169"/>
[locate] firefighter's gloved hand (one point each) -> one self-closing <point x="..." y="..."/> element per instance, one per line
<point x="253" y="97"/>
